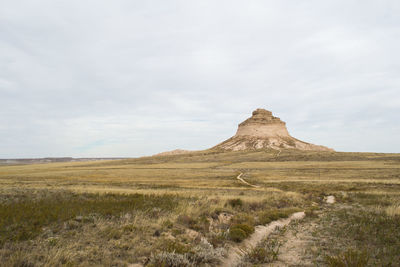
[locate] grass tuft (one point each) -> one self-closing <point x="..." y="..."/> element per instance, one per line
<point x="265" y="252"/>
<point x="266" y="217"/>
<point x="350" y="257"/>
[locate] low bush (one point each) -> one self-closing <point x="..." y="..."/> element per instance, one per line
<point x="217" y="240"/>
<point x="199" y="255"/>
<point x="206" y="254"/>
<point x="275" y="214"/>
<point x="167" y="245"/>
<point x="266" y="252"/>
<point x="235" y="203"/>
<point x="351" y="258"/>
<point x="246" y="228"/>
<point x="238" y="232"/>
<point x="237" y="235"/>
<point x="169" y="259"/>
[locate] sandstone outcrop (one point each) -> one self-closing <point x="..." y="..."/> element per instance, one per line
<point x="263" y="130"/>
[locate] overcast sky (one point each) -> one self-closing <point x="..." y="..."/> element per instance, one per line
<point x="131" y="78"/>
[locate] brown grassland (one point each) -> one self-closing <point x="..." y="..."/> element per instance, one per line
<point x="187" y="210"/>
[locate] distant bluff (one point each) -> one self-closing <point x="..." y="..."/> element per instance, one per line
<point x="263" y="130"/>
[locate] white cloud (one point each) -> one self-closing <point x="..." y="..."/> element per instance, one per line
<point x="129" y="78"/>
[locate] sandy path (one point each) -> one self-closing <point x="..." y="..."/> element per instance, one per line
<point x="293" y="252"/>
<point x="235" y="253"/>
<point x="239" y="177"/>
<point x="296" y="241"/>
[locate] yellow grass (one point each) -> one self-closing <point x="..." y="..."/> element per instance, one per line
<point x="204" y="170"/>
<point x="204" y="182"/>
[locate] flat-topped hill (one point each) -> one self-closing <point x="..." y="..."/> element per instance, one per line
<point x="263" y="130"/>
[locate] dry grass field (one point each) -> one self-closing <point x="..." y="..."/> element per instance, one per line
<point x="189" y="210"/>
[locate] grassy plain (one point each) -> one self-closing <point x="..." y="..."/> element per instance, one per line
<point x="158" y="210"/>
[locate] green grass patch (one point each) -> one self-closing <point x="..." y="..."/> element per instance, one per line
<point x="369" y="232"/>
<point x="350" y="257"/>
<point x="268" y="216"/>
<point x="235" y="203"/>
<point x="374" y="199"/>
<point x="239" y="232"/>
<point x="23" y="220"/>
<point x="174" y="246"/>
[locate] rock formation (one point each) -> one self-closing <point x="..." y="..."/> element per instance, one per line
<point x="263" y="130"/>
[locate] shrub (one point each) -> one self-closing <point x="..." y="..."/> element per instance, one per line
<point x="169" y="259"/>
<point x="266" y="252"/>
<point x="217" y="240"/>
<point x="201" y="254"/>
<point x="237" y="235"/>
<point x="205" y="253"/>
<point x="167" y="245"/>
<point x="237" y="202"/>
<point x="349" y="258"/>
<point x="275" y="214"/>
<point x="246" y="228"/>
<point x="238" y="232"/>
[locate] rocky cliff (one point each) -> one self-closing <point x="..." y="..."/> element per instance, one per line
<point x="263" y="130"/>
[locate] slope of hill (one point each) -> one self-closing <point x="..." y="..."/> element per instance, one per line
<point x="263" y="130"/>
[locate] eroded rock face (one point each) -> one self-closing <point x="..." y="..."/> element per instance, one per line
<point x="263" y="130"/>
<point x="262" y="124"/>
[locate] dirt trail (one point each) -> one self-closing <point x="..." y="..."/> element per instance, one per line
<point x="235" y="253"/>
<point x="293" y="252"/>
<point x="239" y="177"/>
<point x="296" y="240"/>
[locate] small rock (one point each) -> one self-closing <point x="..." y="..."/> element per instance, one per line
<point x="330" y="199"/>
<point x="224" y="218"/>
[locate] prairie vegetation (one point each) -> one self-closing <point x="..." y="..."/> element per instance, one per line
<point x="189" y="209"/>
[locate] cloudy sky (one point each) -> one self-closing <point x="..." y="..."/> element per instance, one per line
<point x="130" y="78"/>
